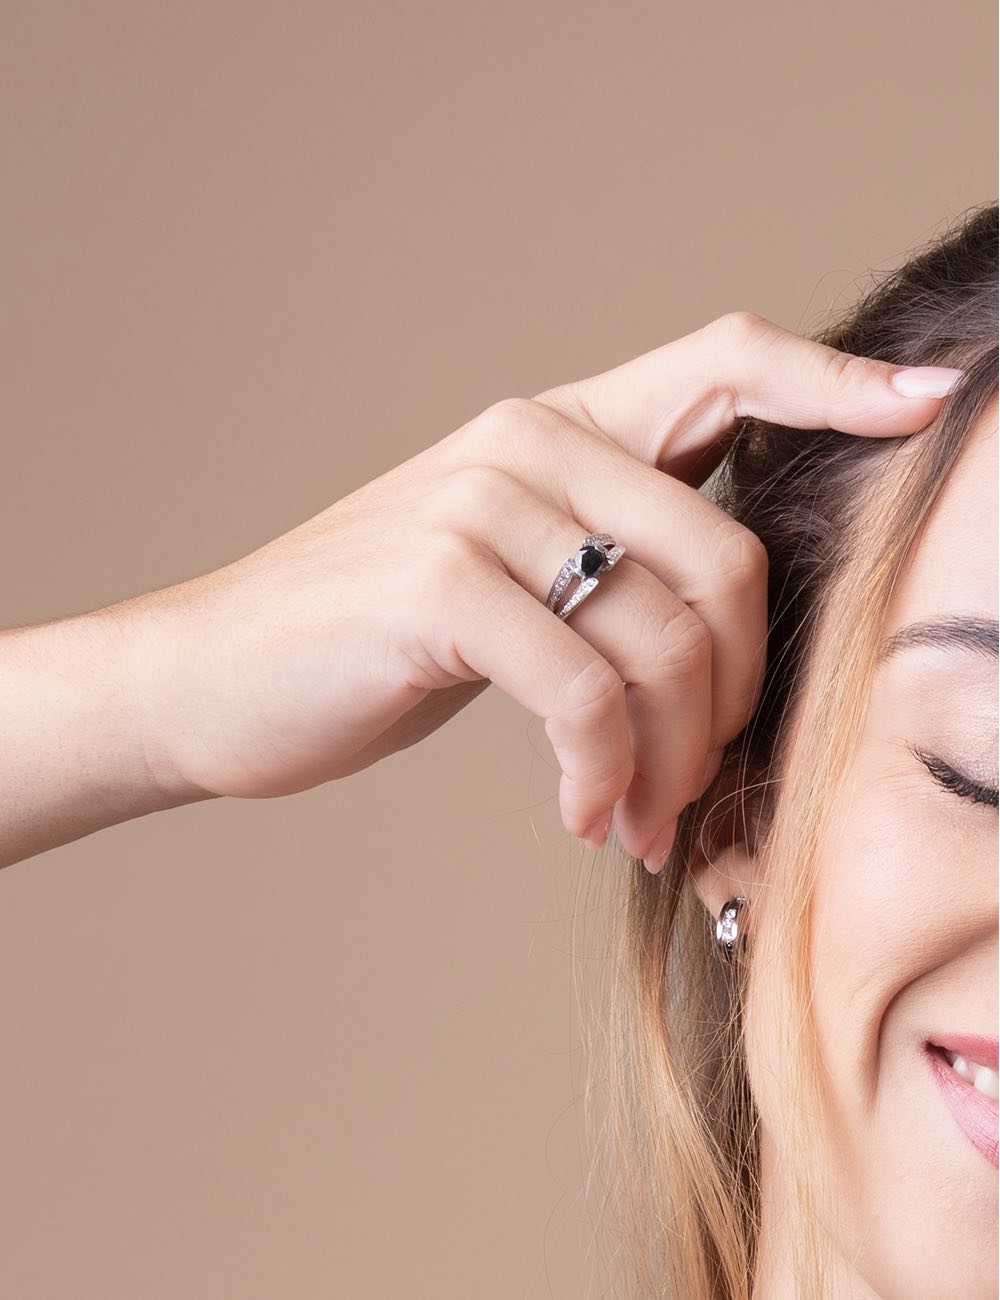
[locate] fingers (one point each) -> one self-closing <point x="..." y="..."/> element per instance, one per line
<point x="669" y="406"/>
<point x="683" y="618"/>
<point x="503" y="632"/>
<point x="651" y="638"/>
<point x="660" y="647"/>
<point x="697" y="551"/>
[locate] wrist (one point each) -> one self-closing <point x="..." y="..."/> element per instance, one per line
<point x="120" y="752"/>
<point x="74" y="754"/>
<point x="144" y="644"/>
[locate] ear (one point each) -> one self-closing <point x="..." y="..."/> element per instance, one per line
<point x="723" y="876"/>
<point x="724" y="862"/>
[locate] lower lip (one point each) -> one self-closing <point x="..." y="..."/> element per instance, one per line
<point x="975" y="1114"/>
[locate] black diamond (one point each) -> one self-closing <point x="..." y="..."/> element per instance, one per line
<point x="591" y="561"/>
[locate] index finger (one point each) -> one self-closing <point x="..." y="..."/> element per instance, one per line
<point x="671" y="406"/>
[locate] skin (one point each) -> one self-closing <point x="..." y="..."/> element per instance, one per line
<point x="904" y="942"/>
<point x="365" y="628"/>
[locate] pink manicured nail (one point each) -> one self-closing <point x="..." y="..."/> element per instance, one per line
<point x="598" y="830"/>
<point x="926" y="381"/>
<point x="656" y="858"/>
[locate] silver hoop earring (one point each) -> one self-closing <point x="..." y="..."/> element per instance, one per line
<point x="730" y="939"/>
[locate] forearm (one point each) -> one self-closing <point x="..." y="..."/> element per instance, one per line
<point x="73" y="755"/>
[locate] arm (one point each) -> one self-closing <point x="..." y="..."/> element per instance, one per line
<point x="72" y="753"/>
<point x="361" y="630"/>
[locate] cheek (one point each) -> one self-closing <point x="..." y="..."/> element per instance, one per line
<point x="871" y="904"/>
<point x="906" y="883"/>
<point x="893" y="900"/>
<point x="903" y="940"/>
<point x="867" y="913"/>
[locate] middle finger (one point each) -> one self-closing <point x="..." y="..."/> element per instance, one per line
<point x="712" y="564"/>
<point x="656" y="643"/>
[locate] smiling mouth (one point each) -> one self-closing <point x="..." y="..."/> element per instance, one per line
<point x="982" y="1078"/>
<point x="969" y="1088"/>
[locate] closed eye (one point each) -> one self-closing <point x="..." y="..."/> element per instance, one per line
<point x="946" y="776"/>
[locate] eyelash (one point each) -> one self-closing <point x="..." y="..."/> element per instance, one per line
<point x="954" y="781"/>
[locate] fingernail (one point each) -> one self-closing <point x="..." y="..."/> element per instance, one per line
<point x="926" y="381"/>
<point x="598" y="830"/>
<point x="712" y="765"/>
<point x="655" y="860"/>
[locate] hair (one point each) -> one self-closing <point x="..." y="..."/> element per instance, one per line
<point x="679" y="1143"/>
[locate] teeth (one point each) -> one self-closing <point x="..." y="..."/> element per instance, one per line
<point x="982" y="1078"/>
<point x="961" y="1066"/>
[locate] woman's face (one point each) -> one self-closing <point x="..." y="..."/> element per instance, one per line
<point x="904" y="938"/>
<point x="905" y="923"/>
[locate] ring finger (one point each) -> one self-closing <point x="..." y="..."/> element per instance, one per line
<point x="656" y="643"/>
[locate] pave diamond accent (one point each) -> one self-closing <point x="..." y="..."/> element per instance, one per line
<point x="728" y="935"/>
<point x="597" y="554"/>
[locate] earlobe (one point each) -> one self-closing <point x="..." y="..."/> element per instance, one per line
<point x="728" y="874"/>
<point x="724" y="863"/>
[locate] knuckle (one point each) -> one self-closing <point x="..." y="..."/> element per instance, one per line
<point x="509" y="432"/>
<point x="592" y="692"/>
<point x="448" y="564"/>
<point x="743" y="559"/>
<point x="841" y="369"/>
<point x="472" y="491"/>
<point x="587" y="699"/>
<point x="739" y="328"/>
<point x="682" y="646"/>
<point x="516" y="417"/>
<point x="474" y="439"/>
<point x="513" y="408"/>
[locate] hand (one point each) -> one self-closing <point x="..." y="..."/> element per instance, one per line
<point x="365" y="628"/>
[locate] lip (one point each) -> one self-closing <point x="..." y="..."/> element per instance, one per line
<point x="975" y="1114"/>
<point x="973" y="1047"/>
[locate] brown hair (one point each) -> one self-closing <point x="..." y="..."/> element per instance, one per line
<point x="679" y="1143"/>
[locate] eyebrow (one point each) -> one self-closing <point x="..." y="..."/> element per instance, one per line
<point x="969" y="634"/>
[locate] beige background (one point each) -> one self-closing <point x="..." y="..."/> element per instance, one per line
<point x="253" y="255"/>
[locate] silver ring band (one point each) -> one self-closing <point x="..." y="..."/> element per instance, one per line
<point x="596" y="555"/>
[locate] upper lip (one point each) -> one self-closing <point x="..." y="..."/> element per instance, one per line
<point x="974" y="1047"/>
